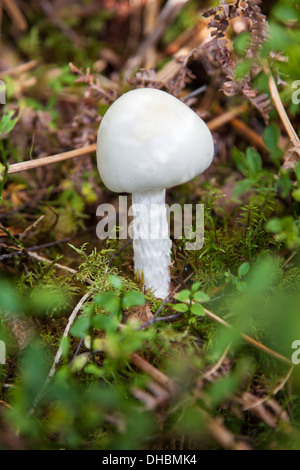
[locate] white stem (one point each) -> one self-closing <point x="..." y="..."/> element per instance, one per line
<point x="151" y="242"/>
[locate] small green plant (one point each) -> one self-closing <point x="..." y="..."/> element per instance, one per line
<point x="8" y="121"/>
<point x="190" y="303"/>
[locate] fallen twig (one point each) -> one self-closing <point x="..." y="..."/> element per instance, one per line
<point x="16" y="14"/>
<point x="166" y="16"/>
<point x="249" y="340"/>
<point x="71" y="320"/>
<point x="153" y="372"/>
<point x="225" y="117"/>
<point x="29" y="165"/>
<point x="19" y="69"/>
<point x="281" y="111"/>
<point x="58" y="355"/>
<point x="46" y="260"/>
<point x="30" y="227"/>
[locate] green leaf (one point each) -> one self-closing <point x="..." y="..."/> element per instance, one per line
<point x="284" y="13"/>
<point x="296" y="194"/>
<point x="109" y="301"/>
<point x="254" y="161"/>
<point x="79" y="363"/>
<point x="8" y="121"/>
<point x="243" y="269"/>
<point x="241" y="286"/>
<point x="81" y="327"/>
<point x="261" y="277"/>
<point x="10" y="301"/>
<point x="240" y="160"/>
<point x="65" y="345"/>
<point x="133" y="298"/>
<point x="242" y="187"/>
<point x="284" y="183"/>
<point x="273" y="225"/>
<point x="183" y="296"/>
<point x="115" y="282"/>
<point x="279" y="40"/>
<point x="180" y="308"/>
<point x="242" y="68"/>
<point x="109" y="324"/>
<point x="94" y="370"/>
<point x="2" y="170"/>
<point x="271" y="136"/>
<point x="97" y="344"/>
<point x="195" y="286"/>
<point x="241" y="43"/>
<point x="198" y="310"/>
<point x="201" y="296"/>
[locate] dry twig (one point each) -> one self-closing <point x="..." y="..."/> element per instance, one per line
<point x="165" y="18"/>
<point x="16" y="14"/>
<point x="28" y="165"/>
<point x="58" y="354"/>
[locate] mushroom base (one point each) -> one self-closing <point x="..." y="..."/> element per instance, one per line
<point x="151" y="242"/>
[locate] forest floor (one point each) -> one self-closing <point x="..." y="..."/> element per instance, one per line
<point x="88" y="359"/>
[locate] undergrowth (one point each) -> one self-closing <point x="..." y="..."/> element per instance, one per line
<point x="92" y="360"/>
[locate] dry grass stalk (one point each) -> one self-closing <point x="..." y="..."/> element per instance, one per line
<point x="16" y="14"/>
<point x="225" y="117"/>
<point x="153" y="372"/>
<point x="165" y="18"/>
<point x="292" y="156"/>
<point x="19" y="69"/>
<point x="150" y="19"/>
<point x="245" y="131"/>
<point x="249" y="340"/>
<point x="42" y="259"/>
<point x="59" y="352"/>
<point x="28" y="165"/>
<point x="32" y="226"/>
<point x="223" y="436"/>
<point x="281" y="111"/>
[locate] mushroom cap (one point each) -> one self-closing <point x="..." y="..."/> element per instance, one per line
<point x="150" y="140"/>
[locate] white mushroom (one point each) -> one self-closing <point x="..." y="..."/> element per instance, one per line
<point x="149" y="141"/>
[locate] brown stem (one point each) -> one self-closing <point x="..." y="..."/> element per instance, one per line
<point x="28" y="165"/>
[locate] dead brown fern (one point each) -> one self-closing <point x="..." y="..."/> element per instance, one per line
<point x="219" y="51"/>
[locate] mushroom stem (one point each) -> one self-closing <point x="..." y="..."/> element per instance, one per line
<point x="151" y="242"/>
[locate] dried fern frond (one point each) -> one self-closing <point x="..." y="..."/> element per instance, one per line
<point x="146" y="78"/>
<point x="219" y="49"/>
<point x="292" y="157"/>
<point x="94" y="85"/>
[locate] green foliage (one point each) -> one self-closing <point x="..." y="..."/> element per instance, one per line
<point x="96" y="269"/>
<point x="8" y="121"/>
<point x="190" y="303"/>
<point x="185" y="19"/>
<point x="70" y="413"/>
<point x="271" y="136"/>
<point x="49" y="292"/>
<point x="241" y="43"/>
<point x="73" y="410"/>
<point x="286" y="230"/>
<point x="250" y="165"/>
<point x="58" y="45"/>
<point x="247" y="273"/>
